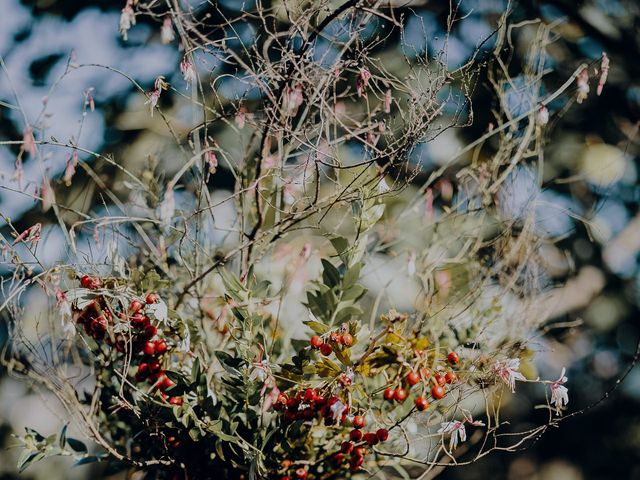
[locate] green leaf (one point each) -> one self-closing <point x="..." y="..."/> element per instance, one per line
<point x="330" y="274"/>
<point x="351" y="276"/>
<point x="76" y="445"/>
<point x="326" y="368"/>
<point x="317" y="327"/>
<point x="86" y="460"/>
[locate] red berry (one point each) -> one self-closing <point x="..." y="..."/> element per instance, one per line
<point x="334" y="337"/>
<point x="346" y="339"/>
<point x="160" y="347"/>
<point x="166" y="383"/>
<point x="151" y="298"/>
<point x="135" y="306"/>
<point x="176" y="400"/>
<point x="301" y="473"/>
<point x="150" y="331"/>
<point x="154" y="367"/>
<point x="326" y="349"/>
<point x="139" y="320"/>
<point x="309" y="395"/>
<point x="346" y="447"/>
<point x="400" y="395"/>
<point x="425" y="373"/>
<point x="371" y="438"/>
<point x="358" y="421"/>
<point x="382" y="434"/>
<point x="437" y="392"/>
<point x="89" y="282"/>
<point x="316" y="342"/>
<point x="440" y="380"/>
<point x="338" y="457"/>
<point x="149" y="348"/>
<point x="355" y="435"/>
<point x="388" y="394"/>
<point x="422" y="404"/>
<point x="453" y="358"/>
<point x="413" y="378"/>
<point x="360" y="451"/>
<point x="450" y="377"/>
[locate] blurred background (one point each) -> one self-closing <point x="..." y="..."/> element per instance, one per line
<point x="590" y="186"/>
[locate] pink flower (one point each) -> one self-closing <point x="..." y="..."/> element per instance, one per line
<point x="542" y="116"/>
<point x="31" y="234"/>
<point x="560" y="393"/>
<point x="457" y="430"/>
<point x="47" y="195"/>
<point x="70" y="170"/>
<point x="29" y="142"/>
<point x="387" y="101"/>
<point x="583" y="85"/>
<point x="508" y="372"/>
<point x="604" y="73"/>
<point x="154" y="95"/>
<point x="241" y="117"/>
<point x="88" y="99"/>
<point x="188" y="71"/>
<point x="127" y="19"/>
<point x="210" y="159"/>
<point x="363" y="80"/>
<point x="293" y="99"/>
<point x="166" y="31"/>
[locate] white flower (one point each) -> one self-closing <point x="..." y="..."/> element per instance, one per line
<point x="508" y="372"/>
<point x="542" y="116"/>
<point x="127" y="19"/>
<point x="456" y="429"/>
<point x="560" y="393"/>
<point x="583" y="85"/>
<point x="337" y="409"/>
<point x="166" y="31"/>
<point x="188" y="71"/>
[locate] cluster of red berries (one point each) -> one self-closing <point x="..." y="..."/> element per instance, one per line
<point x="341" y="337"/>
<point x="308" y="405"/>
<point x="438" y="389"/>
<point x="145" y="342"/>
<point x="356" y="446"/>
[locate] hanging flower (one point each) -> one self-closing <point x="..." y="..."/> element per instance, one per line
<point x="154" y="95"/>
<point x="560" y="393"/>
<point x="127" y="19"/>
<point x="31" y="234"/>
<point x="29" y="142"/>
<point x="88" y="99"/>
<point x="363" y="80"/>
<point x="240" y="118"/>
<point x="188" y="71"/>
<point x="210" y="158"/>
<point x="604" y="73"/>
<point x="508" y="372"/>
<point x="542" y="116"/>
<point x="47" y="195"/>
<point x="387" y="101"/>
<point x="293" y="99"/>
<point x="457" y="430"/>
<point x="583" y="85"/>
<point x="166" y="31"/>
<point x="70" y="170"/>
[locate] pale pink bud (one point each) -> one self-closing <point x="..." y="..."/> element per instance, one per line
<point x="127" y="19"/>
<point x="47" y="195"/>
<point x="542" y="116"/>
<point x="363" y="80"/>
<point x="604" y="73"/>
<point x="166" y="31"/>
<point x="387" y="101"/>
<point x="188" y="71"/>
<point x="70" y="171"/>
<point x="29" y="142"/>
<point x="241" y="117"/>
<point x="583" y="85"/>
